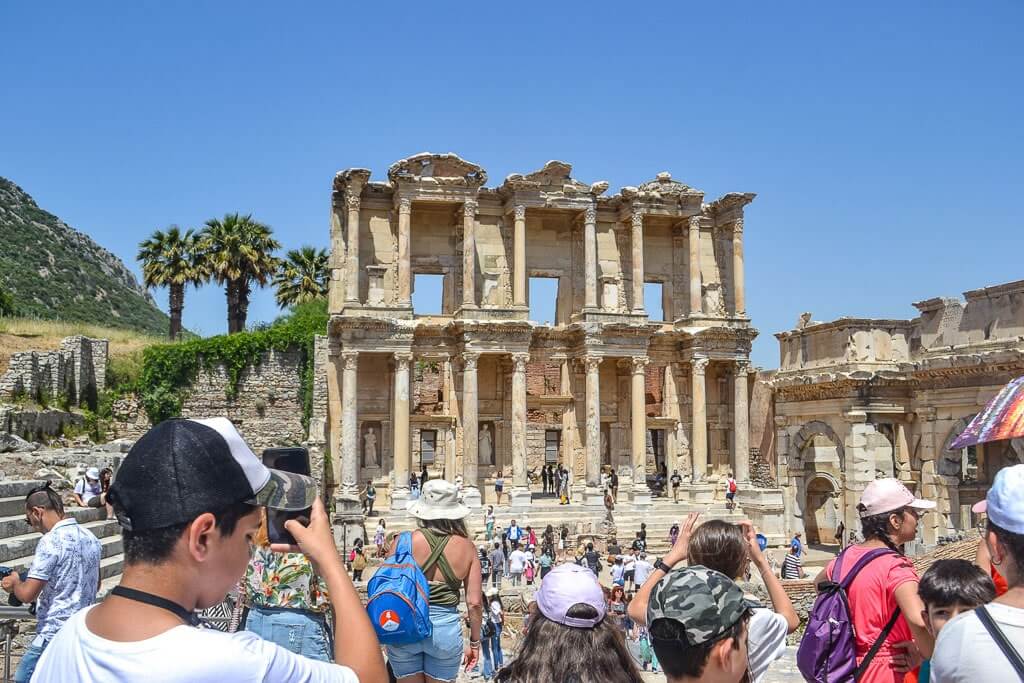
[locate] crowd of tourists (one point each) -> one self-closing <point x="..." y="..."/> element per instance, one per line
<point x="194" y="504"/>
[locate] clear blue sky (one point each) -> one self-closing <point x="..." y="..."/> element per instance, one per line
<point x="884" y="140"/>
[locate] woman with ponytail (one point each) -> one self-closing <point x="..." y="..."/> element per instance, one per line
<point x="889" y="515"/>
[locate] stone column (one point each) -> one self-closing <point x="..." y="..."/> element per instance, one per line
<point x="902" y="452"/>
<point x="404" y="265"/>
<point x="637" y="240"/>
<point x="335" y="400"/>
<point x="593" y="495"/>
<point x="352" y="202"/>
<point x="469" y="254"/>
<point x="400" y="416"/>
<point x="520" y="484"/>
<point x="696" y="305"/>
<point x="590" y="258"/>
<point x="670" y="409"/>
<point x="519" y="258"/>
<point x="638" y="423"/>
<point x="470" y="436"/>
<point x="349" y="424"/>
<point x="699" y="439"/>
<point x="738" y="293"/>
<point x="741" y="423"/>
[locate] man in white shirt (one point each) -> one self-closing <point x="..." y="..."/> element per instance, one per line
<point x="188" y="498"/>
<point x="516" y="566"/>
<point x="64" y="576"/>
<point x="966" y="650"/>
<point x="88" y="489"/>
<point x="642" y="569"/>
<point x="515" y="534"/>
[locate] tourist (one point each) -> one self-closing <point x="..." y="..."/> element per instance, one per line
<point x="546" y="560"/>
<point x="424" y="477"/>
<point x="442" y="549"/>
<point x="950" y="588"/>
<point x="496" y="613"/>
<point x="730" y="492"/>
<point x="548" y="537"/>
<point x="563" y="542"/>
<point x="358" y="564"/>
<point x="639" y="544"/>
<point x="516" y="565"/>
<point x="485" y="564"/>
<point x="792" y="567"/>
<point x="64" y="575"/>
<point x="609" y="507"/>
<point x="617" y="607"/>
<point x="531" y="537"/>
<point x="840" y="534"/>
<point x="286" y="600"/>
<point x="982" y="557"/>
<point x="514" y="534"/>
<point x="699" y="620"/>
<point x="887" y="585"/>
<point x="643" y="534"/>
<point x="371" y="497"/>
<point x="489" y="523"/>
<point x="545" y="477"/>
<point x="629" y="570"/>
<point x="673" y="534"/>
<point x="592" y="559"/>
<point x="380" y="536"/>
<point x="414" y="486"/>
<point x="88" y="490"/>
<point x="641" y="569"/>
<point x="613" y="548"/>
<point x="497" y="558"/>
<point x="568" y="637"/>
<point x="499" y="486"/>
<point x="488" y="630"/>
<point x="613" y="481"/>
<point x="188" y="496"/>
<point x="675" y="481"/>
<point x="796" y="545"/>
<point x="618" y="572"/>
<point x="967" y="649"/>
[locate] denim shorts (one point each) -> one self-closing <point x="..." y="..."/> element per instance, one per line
<point x="304" y="633"/>
<point x="438" y="656"/>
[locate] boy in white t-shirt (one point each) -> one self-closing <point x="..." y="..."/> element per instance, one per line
<point x="188" y="497"/>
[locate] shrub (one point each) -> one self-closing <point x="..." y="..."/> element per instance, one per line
<point x="6" y="303"/>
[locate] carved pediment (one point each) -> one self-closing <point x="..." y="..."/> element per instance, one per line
<point x="554" y="178"/>
<point x="444" y="169"/>
<point x="730" y="201"/>
<point x="664" y="186"/>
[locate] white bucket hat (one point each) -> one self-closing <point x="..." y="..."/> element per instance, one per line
<point x="439" y="500"/>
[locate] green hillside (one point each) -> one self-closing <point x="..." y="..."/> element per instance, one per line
<point x="55" y="272"/>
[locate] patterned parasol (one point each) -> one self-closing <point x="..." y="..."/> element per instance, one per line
<point x="1003" y="418"/>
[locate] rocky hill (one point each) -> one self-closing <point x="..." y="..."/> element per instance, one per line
<point x="56" y="272"/>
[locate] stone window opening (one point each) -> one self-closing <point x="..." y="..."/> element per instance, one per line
<point x="428" y="293"/>
<point x="654" y="301"/>
<point x="552" y="445"/>
<point x="428" y="446"/>
<point x="543" y="300"/>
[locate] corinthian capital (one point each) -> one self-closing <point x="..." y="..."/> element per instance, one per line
<point x="520" y="212"/>
<point x="640" y="365"/>
<point x="469" y="208"/>
<point x="699" y="364"/>
<point x="469" y="360"/>
<point x="742" y="366"/>
<point x="592" y="363"/>
<point x="694" y="222"/>
<point x="350" y="360"/>
<point x="402" y="360"/>
<point x="519" y="361"/>
<point x="404" y="205"/>
<point x="352" y="201"/>
<point x="638" y="220"/>
<point x="737" y="226"/>
<point x="590" y="215"/>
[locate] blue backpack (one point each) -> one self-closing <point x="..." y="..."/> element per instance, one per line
<point x="399" y="597"/>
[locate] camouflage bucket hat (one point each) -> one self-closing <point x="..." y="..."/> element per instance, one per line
<point x="706" y="603"/>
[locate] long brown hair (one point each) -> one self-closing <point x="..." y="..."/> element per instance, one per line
<point x="445" y="527"/>
<point x="553" y="653"/>
<point x="719" y="545"/>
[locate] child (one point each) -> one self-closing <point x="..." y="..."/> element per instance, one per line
<point x="948" y="588"/>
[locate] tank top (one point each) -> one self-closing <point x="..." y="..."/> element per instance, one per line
<point x="442" y="593"/>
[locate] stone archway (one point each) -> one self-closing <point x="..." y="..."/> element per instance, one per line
<point x="822" y="510"/>
<point x="805" y="437"/>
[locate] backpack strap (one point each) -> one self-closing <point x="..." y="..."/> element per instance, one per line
<point x="997" y="635"/>
<point x="868" y="557"/>
<point x="876" y="646"/>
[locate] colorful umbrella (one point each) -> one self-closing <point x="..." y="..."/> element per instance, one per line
<point x="1003" y="418"/>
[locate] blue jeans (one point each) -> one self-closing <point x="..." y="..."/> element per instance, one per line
<point x="499" y="659"/>
<point x="304" y="633"/>
<point x="28" y="663"/>
<point x="485" y="654"/>
<point x="438" y="656"/>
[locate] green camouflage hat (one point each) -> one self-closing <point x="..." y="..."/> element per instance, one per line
<point x="704" y="602"/>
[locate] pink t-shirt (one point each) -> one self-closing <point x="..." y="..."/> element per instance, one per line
<point x="872" y="603"/>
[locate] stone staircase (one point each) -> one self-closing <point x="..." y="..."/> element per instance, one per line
<point x="18" y="540"/>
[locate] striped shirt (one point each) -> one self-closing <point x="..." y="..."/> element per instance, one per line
<point x="791" y="567"/>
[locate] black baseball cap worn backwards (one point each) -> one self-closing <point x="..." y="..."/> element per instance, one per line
<point x="181" y="468"/>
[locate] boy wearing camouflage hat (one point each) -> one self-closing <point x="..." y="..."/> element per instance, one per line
<point x="698" y="624"/>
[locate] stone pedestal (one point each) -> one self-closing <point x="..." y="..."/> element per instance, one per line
<point x="520" y="496"/>
<point x="471" y="497"/>
<point x="642" y="496"/>
<point x="347" y="522"/>
<point x="703" y="494"/>
<point x="593" y="497"/>
<point x="400" y="498"/>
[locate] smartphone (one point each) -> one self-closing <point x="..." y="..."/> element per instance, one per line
<point x="288" y="459"/>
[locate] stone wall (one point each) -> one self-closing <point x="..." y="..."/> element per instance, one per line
<point x="37" y="425"/>
<point x="268" y="406"/>
<point x="77" y="370"/>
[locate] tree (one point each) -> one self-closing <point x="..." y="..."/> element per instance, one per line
<point x="302" y="276"/>
<point x="238" y="251"/>
<point x="170" y="259"/>
<point x="6" y="303"/>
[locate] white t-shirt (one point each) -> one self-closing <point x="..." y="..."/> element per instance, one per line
<point x="182" y="654"/>
<point x="642" y="570"/>
<point x="88" y="488"/>
<point x="516" y="562"/>
<point x="965" y="651"/>
<point x="766" y="641"/>
<point x="68" y="560"/>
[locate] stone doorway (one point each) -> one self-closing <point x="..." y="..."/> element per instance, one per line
<point x="656" y="448"/>
<point x="822" y="511"/>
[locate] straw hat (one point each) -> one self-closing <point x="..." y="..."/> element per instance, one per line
<point x="439" y="500"/>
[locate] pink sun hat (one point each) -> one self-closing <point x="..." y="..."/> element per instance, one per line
<point x="567" y="585"/>
<point x="887" y="495"/>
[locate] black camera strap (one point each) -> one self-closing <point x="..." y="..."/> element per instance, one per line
<point x="190" y="618"/>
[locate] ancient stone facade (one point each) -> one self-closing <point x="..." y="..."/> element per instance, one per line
<point x="479" y="388"/>
<point x="855" y="399"/>
<point x="77" y="371"/>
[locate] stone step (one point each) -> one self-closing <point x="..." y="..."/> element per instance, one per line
<point x="15" y="525"/>
<point x="24" y="545"/>
<point x="111" y="549"/>
<point x="13" y="488"/>
<point x="12" y="505"/>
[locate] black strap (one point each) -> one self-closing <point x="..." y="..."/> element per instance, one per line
<point x="190" y="618"/>
<point x="862" y="667"/>
<point x="997" y="635"/>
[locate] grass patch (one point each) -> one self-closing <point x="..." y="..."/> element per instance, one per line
<point x="34" y="334"/>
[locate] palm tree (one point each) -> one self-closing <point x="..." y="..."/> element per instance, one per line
<point x="169" y="259"/>
<point x="238" y="251"/>
<point x="302" y="276"/>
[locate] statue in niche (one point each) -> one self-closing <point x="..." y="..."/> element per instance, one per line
<point x="370" y="448"/>
<point x="485" y="448"/>
<point x="714" y="303"/>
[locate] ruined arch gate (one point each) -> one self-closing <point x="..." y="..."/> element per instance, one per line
<point x="479" y="389"/>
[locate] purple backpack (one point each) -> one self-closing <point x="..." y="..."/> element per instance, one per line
<point x="827" y="652"/>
